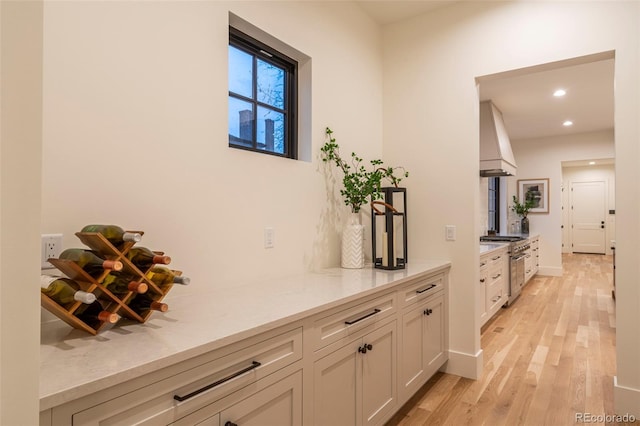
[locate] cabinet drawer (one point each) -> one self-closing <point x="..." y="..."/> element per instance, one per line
<point x="497" y="273"/>
<point x="346" y="322"/>
<point x="497" y="258"/>
<point x="201" y="385"/>
<point x="422" y="289"/>
<point x="496" y="298"/>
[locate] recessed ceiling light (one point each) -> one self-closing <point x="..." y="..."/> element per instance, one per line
<point x="591" y="163"/>
<point x="559" y="93"/>
<point x="567" y="123"/>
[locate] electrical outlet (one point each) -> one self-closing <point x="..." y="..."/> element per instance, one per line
<point x="269" y="237"/>
<point x="51" y="247"/>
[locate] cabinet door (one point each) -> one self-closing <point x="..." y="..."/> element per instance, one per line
<point x="482" y="299"/>
<point x="336" y="383"/>
<point x="379" y="392"/>
<point x="422" y="350"/>
<point x="411" y="366"/>
<point x="434" y="341"/>
<point x="278" y="405"/>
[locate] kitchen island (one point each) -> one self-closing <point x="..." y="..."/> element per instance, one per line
<point x="75" y="365"/>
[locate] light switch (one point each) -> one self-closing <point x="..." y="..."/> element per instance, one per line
<point x="450" y="232"/>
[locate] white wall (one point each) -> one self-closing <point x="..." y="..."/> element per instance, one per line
<point x="135" y="132"/>
<point x="20" y="155"/>
<point x="431" y="125"/>
<point x="542" y="158"/>
<point x="598" y="172"/>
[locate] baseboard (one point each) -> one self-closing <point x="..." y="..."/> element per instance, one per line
<point x="465" y="365"/>
<point x="550" y="271"/>
<point x="625" y="400"/>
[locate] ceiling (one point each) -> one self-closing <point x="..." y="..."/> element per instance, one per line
<point x="530" y="110"/>
<point x="525" y="97"/>
<point x="386" y="12"/>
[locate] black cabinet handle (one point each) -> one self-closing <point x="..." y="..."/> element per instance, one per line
<point x="375" y="311"/>
<point x="482" y="280"/>
<point x="254" y="364"/>
<point x="426" y="289"/>
<point x="428" y="311"/>
<point x="230" y="423"/>
<point x="364" y="348"/>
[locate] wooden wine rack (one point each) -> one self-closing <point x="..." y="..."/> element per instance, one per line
<point x="118" y="304"/>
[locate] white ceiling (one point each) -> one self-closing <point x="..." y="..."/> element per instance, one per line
<point x="386" y="12"/>
<point x="525" y="96"/>
<point x="530" y="110"/>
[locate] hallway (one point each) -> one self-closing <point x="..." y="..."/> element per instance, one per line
<point x="548" y="359"/>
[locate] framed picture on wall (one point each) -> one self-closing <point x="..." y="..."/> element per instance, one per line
<point x="536" y="190"/>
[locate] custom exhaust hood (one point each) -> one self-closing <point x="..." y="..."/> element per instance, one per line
<point x="496" y="156"/>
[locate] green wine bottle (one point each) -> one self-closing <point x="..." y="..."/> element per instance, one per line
<point x="122" y="283"/>
<point x="116" y="235"/>
<point x="162" y="276"/>
<point x="143" y="258"/>
<point x="94" y="314"/>
<point x="143" y="303"/>
<point x="64" y="291"/>
<point x="90" y="262"/>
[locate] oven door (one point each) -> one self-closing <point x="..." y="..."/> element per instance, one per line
<point x="516" y="281"/>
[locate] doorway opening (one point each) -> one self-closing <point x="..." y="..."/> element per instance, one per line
<point x="535" y="102"/>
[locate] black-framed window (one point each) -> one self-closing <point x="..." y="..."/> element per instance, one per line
<point x="262" y="97"/>
<point x="494" y="204"/>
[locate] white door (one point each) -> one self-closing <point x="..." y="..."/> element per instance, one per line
<point x="588" y="217"/>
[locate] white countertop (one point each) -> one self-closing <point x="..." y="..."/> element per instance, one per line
<point x="74" y="363"/>
<point x="488" y="247"/>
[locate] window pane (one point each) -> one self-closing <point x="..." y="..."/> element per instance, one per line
<point x="240" y="122"/>
<point x="270" y="130"/>
<point x="270" y="84"/>
<point x="240" y="72"/>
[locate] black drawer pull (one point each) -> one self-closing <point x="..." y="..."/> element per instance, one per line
<point x="229" y="423"/>
<point x="375" y="311"/>
<point x="426" y="289"/>
<point x="254" y="364"/>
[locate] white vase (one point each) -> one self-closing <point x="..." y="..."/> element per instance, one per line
<point x="353" y="243"/>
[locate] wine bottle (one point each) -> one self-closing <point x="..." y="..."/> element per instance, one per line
<point x="122" y="283"/>
<point x="116" y="235"/>
<point x="94" y="314"/>
<point x="162" y="276"/>
<point x="90" y="262"/>
<point x="143" y="258"/>
<point x="143" y="302"/>
<point x="64" y="291"/>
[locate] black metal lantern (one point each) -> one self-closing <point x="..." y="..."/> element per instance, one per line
<point x="389" y="229"/>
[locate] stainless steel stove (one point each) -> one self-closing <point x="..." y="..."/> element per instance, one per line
<point x="517" y="252"/>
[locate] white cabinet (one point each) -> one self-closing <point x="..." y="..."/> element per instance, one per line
<point x="353" y="363"/>
<point x="223" y="377"/>
<point x="355" y="384"/>
<point x="532" y="259"/>
<point x="535" y="254"/>
<point x="279" y="404"/>
<point x="422" y="349"/>
<point x="494" y="283"/>
<point x="484" y="280"/>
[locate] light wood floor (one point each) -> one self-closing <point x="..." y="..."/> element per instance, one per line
<point x="548" y="357"/>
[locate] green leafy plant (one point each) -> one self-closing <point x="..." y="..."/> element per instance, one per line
<point x="359" y="182"/>
<point x="522" y="209"/>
